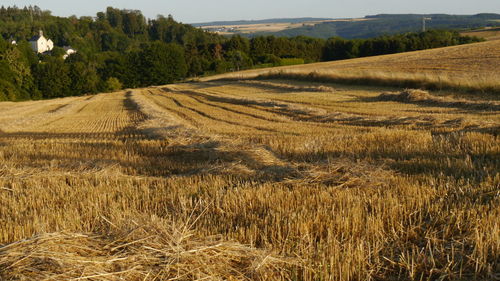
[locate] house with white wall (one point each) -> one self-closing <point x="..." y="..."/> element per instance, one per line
<point x="40" y="44"/>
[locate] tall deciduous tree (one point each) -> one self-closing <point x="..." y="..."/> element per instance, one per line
<point x="162" y="63"/>
<point x="52" y="77"/>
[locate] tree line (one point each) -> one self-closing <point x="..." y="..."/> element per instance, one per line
<point x="123" y="49"/>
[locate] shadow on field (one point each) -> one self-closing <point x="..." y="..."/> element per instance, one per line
<point x="229" y="100"/>
<point x="439" y="161"/>
<point x="423" y="98"/>
<point x="303" y="115"/>
<point x="281" y="88"/>
<point x="90" y="152"/>
<point x="422" y="122"/>
<point x="452" y="148"/>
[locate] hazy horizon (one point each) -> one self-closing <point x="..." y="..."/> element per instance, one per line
<point x="232" y="10"/>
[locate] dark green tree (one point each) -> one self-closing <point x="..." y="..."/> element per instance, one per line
<point x="162" y="63"/>
<point x="52" y="78"/>
<point x="83" y="75"/>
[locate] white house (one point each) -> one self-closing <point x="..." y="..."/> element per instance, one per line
<point x="40" y="44"/>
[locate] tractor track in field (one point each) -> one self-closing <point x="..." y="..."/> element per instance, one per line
<point x="290" y="111"/>
<point x="208" y="116"/>
<point x="307" y="112"/>
<point x="179" y="114"/>
<point x="227" y="152"/>
<point x="285" y="110"/>
<point x="41" y="113"/>
<point x="211" y="101"/>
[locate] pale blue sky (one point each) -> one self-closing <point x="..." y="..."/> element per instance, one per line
<point x="191" y="11"/>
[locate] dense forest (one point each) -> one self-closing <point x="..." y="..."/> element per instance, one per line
<point x="123" y="49"/>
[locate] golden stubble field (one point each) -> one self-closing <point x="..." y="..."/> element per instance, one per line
<point x="251" y="180"/>
<point x="491" y="33"/>
<point x="471" y="67"/>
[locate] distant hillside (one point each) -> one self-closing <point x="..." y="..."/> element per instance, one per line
<point x="264" y="21"/>
<point x="388" y="24"/>
<point x="487" y="33"/>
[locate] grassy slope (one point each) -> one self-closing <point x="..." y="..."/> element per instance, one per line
<point x="488" y="34"/>
<point x="472" y="67"/>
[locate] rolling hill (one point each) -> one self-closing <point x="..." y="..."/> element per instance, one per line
<point x="377" y="25"/>
<point x="472" y="66"/>
<point x="490" y="33"/>
<point x="264" y="21"/>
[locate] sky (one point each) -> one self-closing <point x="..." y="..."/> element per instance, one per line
<point x="196" y="11"/>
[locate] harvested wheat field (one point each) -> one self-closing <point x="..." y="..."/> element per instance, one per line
<point x="259" y="179"/>
<point x="251" y="180"/>
<point x="471" y="67"/>
<point x="491" y="33"/>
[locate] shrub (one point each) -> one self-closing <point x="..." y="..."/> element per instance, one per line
<point x="113" y="84"/>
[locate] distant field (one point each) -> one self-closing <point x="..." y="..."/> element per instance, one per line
<point x="488" y="34"/>
<point x="472" y="66"/>
<point x="266" y="27"/>
<point x="260" y="179"/>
